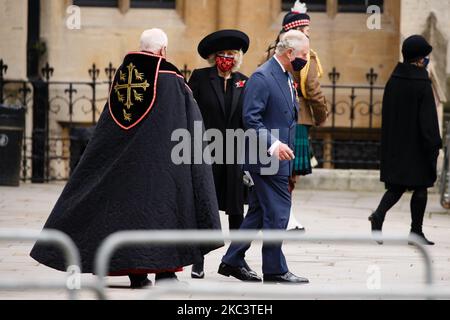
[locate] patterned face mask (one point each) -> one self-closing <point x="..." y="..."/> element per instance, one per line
<point x="225" y="63"/>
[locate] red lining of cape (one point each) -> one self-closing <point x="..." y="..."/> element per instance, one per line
<point x="127" y="272"/>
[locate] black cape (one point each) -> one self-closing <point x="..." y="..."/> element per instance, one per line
<point x="126" y="179"/>
<point x="217" y="114"/>
<point x="410" y="135"/>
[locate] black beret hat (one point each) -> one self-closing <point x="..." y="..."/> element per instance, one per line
<point x="416" y="47"/>
<point x="223" y="40"/>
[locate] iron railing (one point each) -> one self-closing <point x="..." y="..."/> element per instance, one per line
<point x="350" y="140"/>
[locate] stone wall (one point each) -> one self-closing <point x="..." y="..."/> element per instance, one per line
<point x="13" y="35"/>
<point x="107" y="34"/>
<point x="432" y="19"/>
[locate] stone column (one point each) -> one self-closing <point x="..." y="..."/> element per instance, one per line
<point x="227" y="13"/>
<point x="124" y="6"/>
<point x="332" y="8"/>
<point x="180" y="7"/>
<point x="200" y="15"/>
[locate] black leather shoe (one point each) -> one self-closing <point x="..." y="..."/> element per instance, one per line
<point x="240" y="273"/>
<point x="197" y="271"/>
<point x="287" y="278"/>
<point x="247" y="267"/>
<point x="166" y="277"/>
<point x="298" y="229"/>
<point x="423" y="239"/>
<point x="139" y="281"/>
<point x="377" y="225"/>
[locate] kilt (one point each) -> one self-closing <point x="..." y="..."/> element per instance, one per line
<point x="302" y="162"/>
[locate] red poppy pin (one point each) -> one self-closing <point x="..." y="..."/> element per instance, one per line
<point x="240" y="84"/>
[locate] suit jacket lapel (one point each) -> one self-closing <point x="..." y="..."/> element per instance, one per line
<point x="282" y="82"/>
<point x="236" y="95"/>
<point x="215" y="81"/>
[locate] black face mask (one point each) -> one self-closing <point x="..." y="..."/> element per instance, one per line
<point x="298" y="64"/>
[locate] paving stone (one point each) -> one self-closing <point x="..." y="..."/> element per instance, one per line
<point x="325" y="264"/>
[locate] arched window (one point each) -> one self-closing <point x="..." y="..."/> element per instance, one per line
<point x="358" y="6"/>
<point x="163" y="4"/>
<point x="96" y="3"/>
<point x="313" y="5"/>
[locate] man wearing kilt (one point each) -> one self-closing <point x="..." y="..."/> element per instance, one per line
<point x="313" y="105"/>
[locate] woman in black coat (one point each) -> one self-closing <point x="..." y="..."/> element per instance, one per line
<point x="218" y="91"/>
<point x="411" y="138"/>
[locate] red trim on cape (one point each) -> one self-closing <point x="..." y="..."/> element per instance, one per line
<point x="179" y="76"/>
<point x="145" y="53"/>
<point x="127" y="272"/>
<point x="172" y="72"/>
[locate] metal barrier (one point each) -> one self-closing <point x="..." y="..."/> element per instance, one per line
<point x="60" y="240"/>
<point x="299" y="292"/>
<point x="123" y="239"/>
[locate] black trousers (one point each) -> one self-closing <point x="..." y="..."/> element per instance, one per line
<point x="418" y="204"/>
<point x="234" y="222"/>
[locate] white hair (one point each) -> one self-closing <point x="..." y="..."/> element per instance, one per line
<point x="293" y="39"/>
<point x="238" y="59"/>
<point x="153" y="40"/>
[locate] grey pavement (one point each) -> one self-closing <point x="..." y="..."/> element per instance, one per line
<point x="327" y="265"/>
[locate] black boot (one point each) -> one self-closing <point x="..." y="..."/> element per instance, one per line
<point x="377" y="225"/>
<point x="197" y="271"/>
<point x="166" y="277"/>
<point x="139" y="281"/>
<point x="423" y="239"/>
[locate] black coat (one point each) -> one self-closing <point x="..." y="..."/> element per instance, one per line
<point x="126" y="180"/>
<point x="206" y="87"/>
<point x="410" y="136"/>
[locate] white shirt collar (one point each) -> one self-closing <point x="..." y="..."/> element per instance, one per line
<point x="282" y="67"/>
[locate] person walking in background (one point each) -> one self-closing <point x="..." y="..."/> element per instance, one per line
<point x="218" y="91"/>
<point x="313" y="105"/>
<point x="411" y="138"/>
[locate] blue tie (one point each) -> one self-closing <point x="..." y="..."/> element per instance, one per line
<point x="291" y="90"/>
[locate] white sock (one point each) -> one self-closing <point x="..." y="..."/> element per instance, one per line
<point x="293" y="223"/>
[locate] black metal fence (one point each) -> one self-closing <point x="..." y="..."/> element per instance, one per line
<point x="351" y="140"/>
<point x="56" y="108"/>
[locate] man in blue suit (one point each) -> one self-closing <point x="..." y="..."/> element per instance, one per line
<point x="271" y="111"/>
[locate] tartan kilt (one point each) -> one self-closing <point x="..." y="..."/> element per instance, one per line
<point x="302" y="162"/>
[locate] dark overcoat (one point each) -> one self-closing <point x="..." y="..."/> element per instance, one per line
<point x="228" y="178"/>
<point x="411" y="138"/>
<point x="127" y="179"/>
